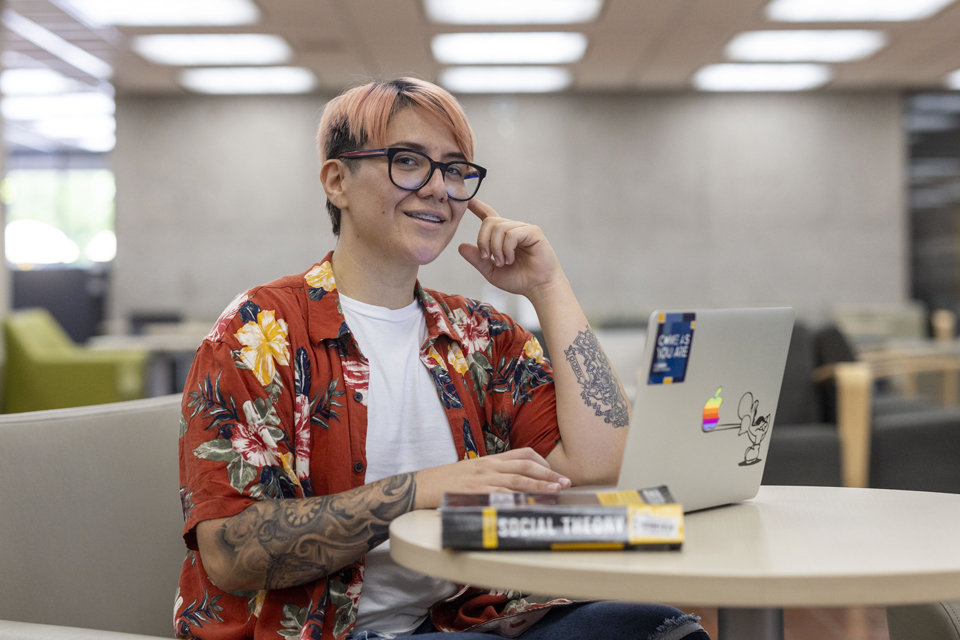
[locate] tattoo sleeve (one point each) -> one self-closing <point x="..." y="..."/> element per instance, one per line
<point x="293" y="542"/>
<point x="600" y="388"/>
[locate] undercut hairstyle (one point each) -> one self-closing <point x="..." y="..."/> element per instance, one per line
<point x="358" y="119"/>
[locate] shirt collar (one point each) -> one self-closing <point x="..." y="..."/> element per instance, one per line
<point x="437" y="314"/>
<point x="325" y="314"/>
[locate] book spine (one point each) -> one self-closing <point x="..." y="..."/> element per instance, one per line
<point x="600" y="527"/>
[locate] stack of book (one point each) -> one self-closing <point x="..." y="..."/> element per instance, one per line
<point x="644" y="519"/>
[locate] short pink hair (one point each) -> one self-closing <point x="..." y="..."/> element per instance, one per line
<point x="358" y="118"/>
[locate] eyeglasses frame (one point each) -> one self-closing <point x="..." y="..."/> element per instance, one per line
<point x="390" y="152"/>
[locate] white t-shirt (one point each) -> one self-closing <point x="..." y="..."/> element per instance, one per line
<point x="407" y="430"/>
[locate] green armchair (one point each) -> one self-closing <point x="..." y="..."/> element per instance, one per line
<point x="45" y="369"/>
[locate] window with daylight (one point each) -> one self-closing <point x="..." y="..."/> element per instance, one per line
<point x="59" y="217"/>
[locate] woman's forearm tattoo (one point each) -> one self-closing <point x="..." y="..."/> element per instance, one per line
<point x="601" y="389"/>
<point x="296" y="541"/>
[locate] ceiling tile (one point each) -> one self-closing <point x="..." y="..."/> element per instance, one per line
<point x="634" y="44"/>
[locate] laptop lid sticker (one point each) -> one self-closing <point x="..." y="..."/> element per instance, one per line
<point x="672" y="349"/>
<point x="753" y="426"/>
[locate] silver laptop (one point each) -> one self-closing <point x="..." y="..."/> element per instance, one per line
<point x="706" y="402"/>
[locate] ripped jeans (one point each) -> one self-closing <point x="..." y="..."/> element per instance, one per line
<point x="592" y="620"/>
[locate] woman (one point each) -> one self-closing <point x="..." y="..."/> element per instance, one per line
<point x="324" y="405"/>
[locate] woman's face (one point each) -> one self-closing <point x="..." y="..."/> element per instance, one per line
<point x="393" y="226"/>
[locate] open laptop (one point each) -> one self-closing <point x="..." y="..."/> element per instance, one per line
<point x="706" y="402"/>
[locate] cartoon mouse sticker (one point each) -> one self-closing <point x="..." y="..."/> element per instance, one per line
<point x="755" y="428"/>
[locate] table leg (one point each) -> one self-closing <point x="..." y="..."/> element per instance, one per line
<point x="750" y="624"/>
<point x="161" y="375"/>
<point x="950" y="394"/>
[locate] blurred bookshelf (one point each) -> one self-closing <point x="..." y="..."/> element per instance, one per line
<point x="932" y="123"/>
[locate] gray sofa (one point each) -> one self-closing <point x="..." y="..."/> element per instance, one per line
<point x="90" y="520"/>
<point x="804" y="444"/>
<point x="913" y="444"/>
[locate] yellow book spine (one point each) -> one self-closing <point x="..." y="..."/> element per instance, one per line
<point x="490" y="538"/>
<point x="592" y="546"/>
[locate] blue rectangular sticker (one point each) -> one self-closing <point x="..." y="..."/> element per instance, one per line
<point x="671" y="351"/>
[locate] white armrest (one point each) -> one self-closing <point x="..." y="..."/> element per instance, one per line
<point x="26" y="631"/>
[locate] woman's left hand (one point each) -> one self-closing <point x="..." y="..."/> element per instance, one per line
<point x="512" y="256"/>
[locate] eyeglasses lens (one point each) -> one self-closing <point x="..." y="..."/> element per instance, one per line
<point x="410" y="170"/>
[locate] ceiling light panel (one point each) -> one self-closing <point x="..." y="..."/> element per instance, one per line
<point x="805" y="46"/>
<point x="853" y="10"/>
<point x="165" y="13"/>
<point x="761" y="77"/>
<point x="249" y="80"/>
<point x="512" y="11"/>
<point x="15" y="137"/>
<point x="26" y="82"/>
<point x="29" y="108"/>
<point x="509" y="48"/>
<point x="76" y="128"/>
<point x="505" y="79"/>
<point x="213" y="49"/>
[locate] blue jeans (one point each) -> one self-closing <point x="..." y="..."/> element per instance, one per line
<point x="593" y="620"/>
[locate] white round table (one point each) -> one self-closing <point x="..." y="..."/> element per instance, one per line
<point x="788" y="547"/>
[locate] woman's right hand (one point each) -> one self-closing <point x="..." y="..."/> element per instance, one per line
<point x="516" y="470"/>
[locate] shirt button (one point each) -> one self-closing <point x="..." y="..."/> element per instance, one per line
<point x="358" y="467"/>
<point x="358" y="396"/>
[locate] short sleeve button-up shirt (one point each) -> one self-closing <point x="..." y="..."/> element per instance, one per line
<point x="276" y="407"/>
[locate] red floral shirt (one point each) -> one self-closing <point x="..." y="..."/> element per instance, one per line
<point x="276" y="407"/>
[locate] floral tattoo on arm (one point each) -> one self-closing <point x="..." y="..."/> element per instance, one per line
<point x="601" y="389"/>
<point x="297" y="541"/>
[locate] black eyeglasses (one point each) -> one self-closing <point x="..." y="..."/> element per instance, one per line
<point x="411" y="170"/>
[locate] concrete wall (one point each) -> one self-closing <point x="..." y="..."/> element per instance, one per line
<point x="213" y="196"/>
<point x="650" y="200"/>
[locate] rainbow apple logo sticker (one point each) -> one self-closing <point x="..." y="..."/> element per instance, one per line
<point x="711" y="411"/>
